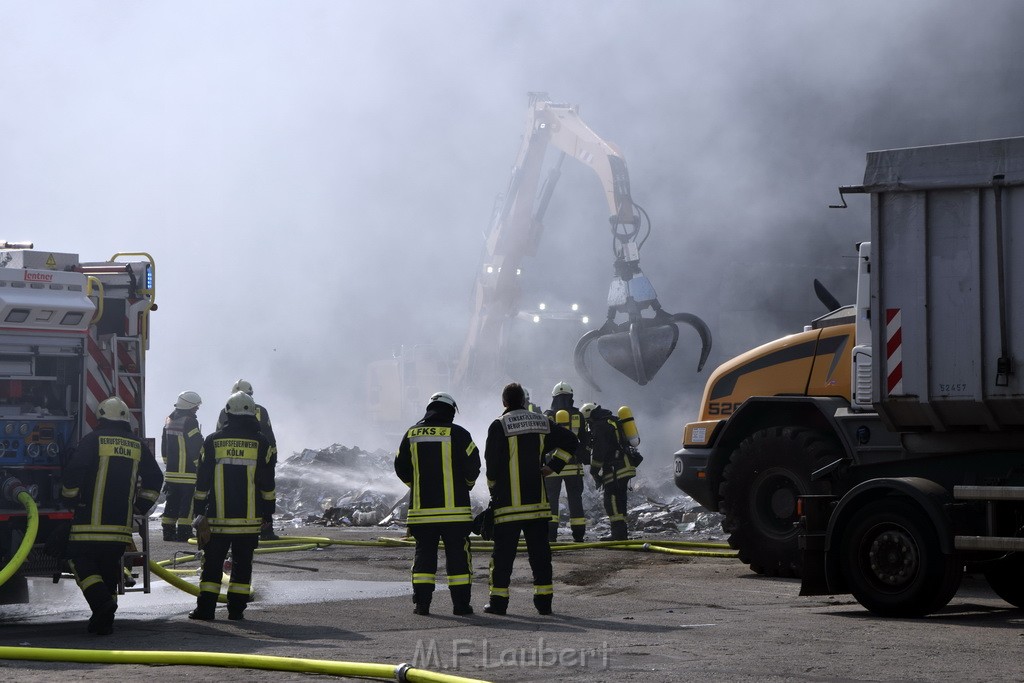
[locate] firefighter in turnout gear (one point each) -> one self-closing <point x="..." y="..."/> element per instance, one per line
<point x="234" y="493"/>
<point x="267" y="430"/>
<point x="612" y="464"/>
<point x="440" y="463"/>
<point x="181" y="448"/>
<point x="101" y="484"/>
<point x="572" y="473"/>
<point x="514" y="455"/>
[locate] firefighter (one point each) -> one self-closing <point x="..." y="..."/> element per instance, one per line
<point x="514" y="456"/>
<point x="111" y="476"/>
<point x="612" y="464"/>
<point x="572" y="473"/>
<point x="181" y="446"/>
<point x="267" y="526"/>
<point x="234" y="493"/>
<point x="440" y="463"/>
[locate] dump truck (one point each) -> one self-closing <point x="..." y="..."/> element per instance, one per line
<point x="72" y="333"/>
<point x="881" y="451"/>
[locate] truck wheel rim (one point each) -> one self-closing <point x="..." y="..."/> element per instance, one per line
<point x="892" y="557"/>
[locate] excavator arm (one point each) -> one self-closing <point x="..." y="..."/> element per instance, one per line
<point x="637" y="347"/>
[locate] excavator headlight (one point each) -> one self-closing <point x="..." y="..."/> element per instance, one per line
<point x="585" y="320"/>
<point x="536" y="318"/>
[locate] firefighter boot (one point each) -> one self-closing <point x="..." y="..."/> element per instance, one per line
<point x="543" y="603"/>
<point x="421" y="595"/>
<point x="236" y="606"/>
<point x="206" y="605"/>
<point x="496" y="605"/>
<point x="103" y="607"/>
<point x="169" y="533"/>
<point x="619" y="532"/>
<point x="460" y="600"/>
<point x="267" y="532"/>
<point x="578" y="530"/>
<point x="552" y="531"/>
<point x="184" y="533"/>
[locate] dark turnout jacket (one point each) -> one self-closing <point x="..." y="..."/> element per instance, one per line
<point x="439" y="463"/>
<point x="517" y="443"/>
<point x="235" y="483"/>
<point x="101" y="482"/>
<point x="181" y="446"/>
<point x="609" y="459"/>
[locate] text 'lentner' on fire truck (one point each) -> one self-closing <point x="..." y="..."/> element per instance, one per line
<point x="72" y="334"/>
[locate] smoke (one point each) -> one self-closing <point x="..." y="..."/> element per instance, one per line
<point x="314" y="179"/>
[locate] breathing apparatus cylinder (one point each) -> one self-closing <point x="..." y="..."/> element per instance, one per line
<point x="629" y="426"/>
<point x="562" y="418"/>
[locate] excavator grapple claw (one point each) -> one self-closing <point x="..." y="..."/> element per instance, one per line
<point x="638" y="348"/>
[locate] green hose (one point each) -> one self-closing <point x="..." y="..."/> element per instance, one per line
<point x="389" y="672"/>
<point x="26" y="543"/>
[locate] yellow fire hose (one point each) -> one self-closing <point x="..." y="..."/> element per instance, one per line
<point x="26" y="543"/>
<point x="388" y="672"/>
<point x="670" y="547"/>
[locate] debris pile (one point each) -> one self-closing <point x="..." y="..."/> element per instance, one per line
<point x="339" y="486"/>
<point x="342" y="486"/>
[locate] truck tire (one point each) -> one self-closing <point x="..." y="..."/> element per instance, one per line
<point x="892" y="562"/>
<point x="1005" y="578"/>
<point x="760" y="485"/>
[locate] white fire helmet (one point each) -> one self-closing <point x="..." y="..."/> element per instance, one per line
<point x="561" y="388"/>
<point x="240" y="403"/>
<point x="113" y="408"/>
<point x="188" y="400"/>
<point x="586" y="409"/>
<point x="444" y="398"/>
<point x="243" y="386"/>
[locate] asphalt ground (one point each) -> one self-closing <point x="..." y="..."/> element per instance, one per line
<point x="619" y="616"/>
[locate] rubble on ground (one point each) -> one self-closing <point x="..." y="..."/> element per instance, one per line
<point x="343" y="486"/>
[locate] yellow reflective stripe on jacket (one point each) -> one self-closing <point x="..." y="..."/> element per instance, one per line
<point x="518" y="513"/>
<point x="569" y="471"/>
<point x="180" y="478"/>
<point x="437" y="515"/>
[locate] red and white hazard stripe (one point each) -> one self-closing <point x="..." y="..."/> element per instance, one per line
<point x="99" y="380"/>
<point x="894" y="351"/>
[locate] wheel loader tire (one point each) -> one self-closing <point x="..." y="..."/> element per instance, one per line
<point x="1006" y="577"/>
<point x="892" y="561"/>
<point x="760" y="485"/>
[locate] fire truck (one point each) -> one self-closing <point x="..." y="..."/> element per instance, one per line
<point x="72" y="333"/>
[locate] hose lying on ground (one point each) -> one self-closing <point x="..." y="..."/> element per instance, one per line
<point x="389" y="672"/>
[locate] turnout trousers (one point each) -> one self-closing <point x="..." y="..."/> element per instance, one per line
<point x="458" y="561"/>
<point x="615" y="506"/>
<point x="506" y="538"/>
<point x="97" y="569"/>
<point x="574" y="495"/>
<point x="215" y="552"/>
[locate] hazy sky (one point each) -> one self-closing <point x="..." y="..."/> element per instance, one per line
<point x="314" y="179"/>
